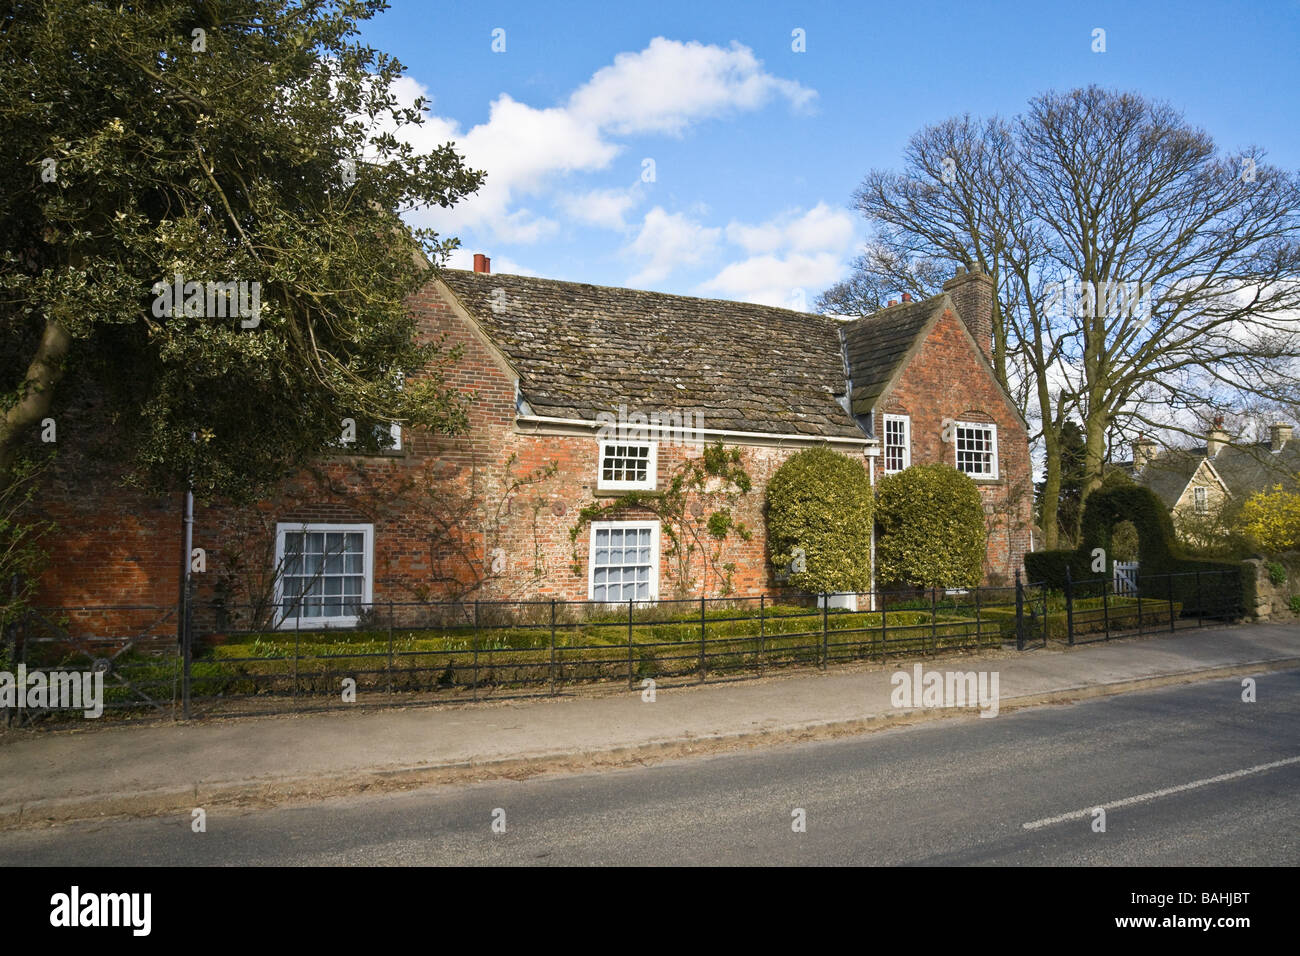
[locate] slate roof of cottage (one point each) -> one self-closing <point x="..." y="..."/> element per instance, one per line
<point x="877" y="344"/>
<point x="1168" y="473"/>
<point x="584" y="349"/>
<point x="1245" y="468"/>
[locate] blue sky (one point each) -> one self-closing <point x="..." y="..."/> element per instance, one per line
<point x="758" y="148"/>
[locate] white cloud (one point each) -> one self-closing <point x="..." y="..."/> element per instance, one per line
<point x="668" y="240"/>
<point x="526" y="151"/>
<point x="600" y="207"/>
<point x="669" y="85"/>
<point x="791" y="257"/>
<point x="789" y="281"/>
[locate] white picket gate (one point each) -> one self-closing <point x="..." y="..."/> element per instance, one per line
<point x="1126" y="578"/>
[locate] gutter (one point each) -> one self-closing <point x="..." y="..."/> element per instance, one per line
<point x="587" y="425"/>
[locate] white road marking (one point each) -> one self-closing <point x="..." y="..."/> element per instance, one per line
<point x="1155" y="794"/>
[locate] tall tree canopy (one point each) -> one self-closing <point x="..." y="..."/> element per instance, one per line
<point x="1143" y="275"/>
<point x="224" y="141"/>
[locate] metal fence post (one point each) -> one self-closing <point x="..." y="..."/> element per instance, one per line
<point x="1137" y="585"/>
<point x="1069" y="606"/>
<point x="826" y="609"/>
<point x="1105" y="604"/>
<point x="934" y="619"/>
<point x="629" y="644"/>
<point x="1169" y="583"/>
<point x="1020" y="613"/>
<point x="979" y="636"/>
<point x="297" y="653"/>
<point x="476" y="649"/>
<point x="1200" y="617"/>
<point x="552" y="667"/>
<point x="884" y="633"/>
<point x="702" y="627"/>
<point x="390" y="647"/>
<point x="762" y="624"/>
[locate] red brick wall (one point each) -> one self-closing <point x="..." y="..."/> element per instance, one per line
<point x="441" y="506"/>
<point x="945" y="380"/>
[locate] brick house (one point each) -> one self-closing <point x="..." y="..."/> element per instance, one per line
<point x="497" y="514"/>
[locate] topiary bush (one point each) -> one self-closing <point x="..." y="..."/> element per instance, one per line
<point x="819" y="520"/>
<point x="932" y="530"/>
<point x="1158" y="553"/>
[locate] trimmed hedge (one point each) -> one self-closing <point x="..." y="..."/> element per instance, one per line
<point x="821" y="502"/>
<point x="1158" y="553"/>
<point x="932" y="530"/>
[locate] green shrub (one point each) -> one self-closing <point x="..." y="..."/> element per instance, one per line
<point x="1276" y="573"/>
<point x="820" y="501"/>
<point x="1159" y="553"/>
<point x="1295" y="604"/>
<point x="932" y="531"/>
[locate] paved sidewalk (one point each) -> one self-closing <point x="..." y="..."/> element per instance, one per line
<point x="111" y="770"/>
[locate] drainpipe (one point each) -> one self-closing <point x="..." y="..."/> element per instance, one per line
<point x="872" y="454"/>
<point x="183" y="624"/>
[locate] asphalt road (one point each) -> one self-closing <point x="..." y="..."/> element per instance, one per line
<point x="957" y="791"/>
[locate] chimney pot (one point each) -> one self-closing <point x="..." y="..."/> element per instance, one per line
<point x="1216" y="438"/>
<point x="1279" y="433"/>
<point x="1144" y="450"/>
<point x="892" y="303"/>
<point x="482" y="263"/>
<point x="907" y="297"/>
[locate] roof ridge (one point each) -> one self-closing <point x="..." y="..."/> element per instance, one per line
<point x="828" y="319"/>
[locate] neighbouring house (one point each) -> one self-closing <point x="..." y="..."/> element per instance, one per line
<point x="1196" y="484"/>
<point x="580" y="395"/>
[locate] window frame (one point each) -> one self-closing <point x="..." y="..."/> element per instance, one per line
<point x="652" y="467"/>
<point x="293" y="621"/>
<point x="639" y="524"/>
<point x="885" y="446"/>
<point x="992" y="428"/>
<point x="1200" y="500"/>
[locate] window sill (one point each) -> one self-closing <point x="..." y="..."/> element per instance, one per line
<point x="620" y="492"/>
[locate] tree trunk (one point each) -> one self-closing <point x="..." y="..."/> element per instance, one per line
<point x="37" y="393"/>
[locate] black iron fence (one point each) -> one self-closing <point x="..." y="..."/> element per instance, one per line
<point x="243" y="659"/>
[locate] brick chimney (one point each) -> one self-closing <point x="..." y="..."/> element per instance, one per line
<point x="482" y="263"/>
<point x="1215" y="438"/>
<point x="1279" y="433"/>
<point x="972" y="294"/>
<point x="1144" y="450"/>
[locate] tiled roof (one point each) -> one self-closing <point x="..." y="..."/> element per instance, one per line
<point x="1168" y="474"/>
<point x="584" y="349"/>
<point x="1245" y="468"/>
<point x="877" y="344"/>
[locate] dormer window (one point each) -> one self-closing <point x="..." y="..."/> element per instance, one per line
<point x="627" y="466"/>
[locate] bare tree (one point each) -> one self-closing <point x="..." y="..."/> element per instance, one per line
<point x="1145" y="279"/>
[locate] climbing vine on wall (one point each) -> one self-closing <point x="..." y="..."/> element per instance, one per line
<point x="696" y="510"/>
